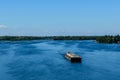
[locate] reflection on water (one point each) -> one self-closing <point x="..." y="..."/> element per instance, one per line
<point x="44" y="60"/>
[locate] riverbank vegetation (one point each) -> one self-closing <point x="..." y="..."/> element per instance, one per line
<point x="108" y="39"/>
<point x="19" y="38"/>
<point x="100" y="39"/>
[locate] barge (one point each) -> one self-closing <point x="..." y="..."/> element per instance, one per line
<point x="73" y="57"/>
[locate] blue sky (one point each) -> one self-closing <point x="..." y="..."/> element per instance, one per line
<point x="59" y="17"/>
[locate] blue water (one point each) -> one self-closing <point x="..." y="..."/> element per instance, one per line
<point x="44" y="60"/>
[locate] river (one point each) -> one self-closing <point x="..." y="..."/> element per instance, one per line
<point x="44" y="60"/>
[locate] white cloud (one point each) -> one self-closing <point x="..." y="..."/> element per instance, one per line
<point x="2" y="26"/>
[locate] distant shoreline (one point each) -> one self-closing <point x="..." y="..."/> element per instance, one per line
<point x="101" y="39"/>
<point x="19" y="38"/>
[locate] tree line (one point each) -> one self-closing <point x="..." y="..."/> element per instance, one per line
<point x="108" y="39"/>
<point x="18" y="38"/>
<point x="100" y="39"/>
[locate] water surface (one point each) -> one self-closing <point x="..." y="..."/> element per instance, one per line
<point x="44" y="60"/>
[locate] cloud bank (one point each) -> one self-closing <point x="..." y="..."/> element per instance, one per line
<point x="2" y="26"/>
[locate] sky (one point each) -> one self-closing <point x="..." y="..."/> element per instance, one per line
<point x="59" y="17"/>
